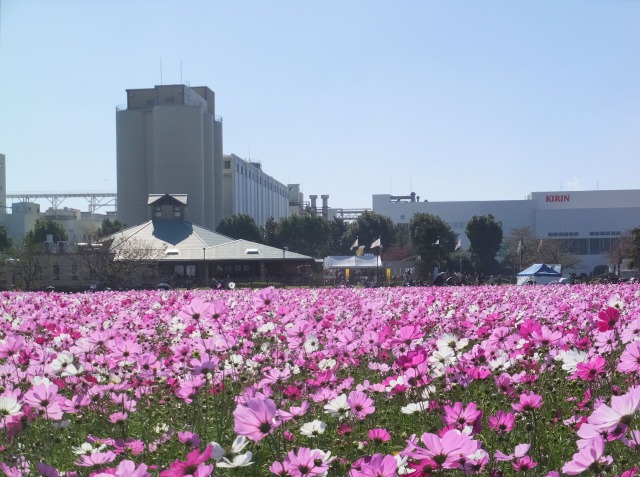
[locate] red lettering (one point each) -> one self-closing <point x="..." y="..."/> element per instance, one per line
<point x="558" y="198"/>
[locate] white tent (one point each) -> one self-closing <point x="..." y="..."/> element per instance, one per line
<point x="540" y="274"/>
<point x="352" y="261"/>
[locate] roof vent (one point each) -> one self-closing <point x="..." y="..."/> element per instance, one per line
<point x="252" y="251"/>
<point x="172" y="251"/>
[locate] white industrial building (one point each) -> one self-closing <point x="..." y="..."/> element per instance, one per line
<point x="248" y="190"/>
<point x="589" y="222"/>
<point x="169" y="140"/>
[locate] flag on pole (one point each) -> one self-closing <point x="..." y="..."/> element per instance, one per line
<point x="458" y="245"/>
<point x="355" y="244"/>
<point x="360" y="251"/>
<point x="376" y="243"/>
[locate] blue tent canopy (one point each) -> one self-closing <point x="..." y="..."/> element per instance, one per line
<point x="541" y="270"/>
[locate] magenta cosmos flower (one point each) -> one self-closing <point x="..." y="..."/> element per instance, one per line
<point x="377" y="466"/>
<point x="360" y="404"/>
<point x="192" y="466"/>
<point x="621" y="411"/>
<point x="630" y="358"/>
<point x="256" y="419"/>
<point x="447" y="451"/>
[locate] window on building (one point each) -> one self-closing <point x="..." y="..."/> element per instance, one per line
<point x="176" y="211"/>
<point x="157" y="211"/>
<point x="191" y="270"/>
<point x="74" y="271"/>
<point x="56" y="271"/>
<point x="227" y="164"/>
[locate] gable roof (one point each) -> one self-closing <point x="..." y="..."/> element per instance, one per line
<point x="541" y="270"/>
<point x="179" y="240"/>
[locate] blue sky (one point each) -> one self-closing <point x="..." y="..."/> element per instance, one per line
<point x="455" y="100"/>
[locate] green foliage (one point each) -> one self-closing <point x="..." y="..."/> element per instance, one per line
<point x="485" y="235"/>
<point x="371" y="226"/>
<point x="5" y="240"/>
<point x="432" y="239"/>
<point x="240" y="226"/>
<point x="635" y="248"/>
<point x="108" y="228"/>
<point x="340" y="244"/>
<point x="42" y="228"/>
<point x="269" y="233"/>
<point x="305" y="234"/>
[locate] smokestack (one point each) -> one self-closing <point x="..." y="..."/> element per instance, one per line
<point x="314" y="205"/>
<point x="325" y="206"/>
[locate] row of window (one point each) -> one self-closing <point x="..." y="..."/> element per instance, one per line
<point x="575" y="234"/>
<point x="562" y="234"/>
<point x="157" y="211"/>
<point x="270" y="185"/>
<point x="590" y="246"/>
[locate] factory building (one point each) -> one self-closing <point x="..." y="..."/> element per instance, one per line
<point x="588" y="222"/>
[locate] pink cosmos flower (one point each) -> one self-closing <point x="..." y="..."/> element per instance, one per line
<point x="377" y="466"/>
<point x="446" y="451"/>
<point x="621" y="411"/>
<point x="196" y="311"/>
<point x="522" y="464"/>
<point x="302" y="463"/>
<point x="630" y="358"/>
<point x="127" y="468"/>
<point x="264" y="297"/>
<point x="520" y="451"/>
<point x="502" y="422"/>
<point x="361" y="405"/>
<point x="378" y="436"/>
<point x="45" y="398"/>
<point x="96" y="458"/>
<point x="460" y="416"/>
<point x="192" y="466"/>
<point x="607" y="318"/>
<point x="255" y="420"/>
<point x="589" y="457"/>
<point x="528" y="402"/>
<point x="590" y="370"/>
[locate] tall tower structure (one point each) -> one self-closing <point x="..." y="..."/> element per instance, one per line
<point x="169" y="141"/>
<point x="3" y="185"/>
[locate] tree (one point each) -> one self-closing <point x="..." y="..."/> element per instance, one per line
<point x="370" y="226"/>
<point x="305" y="234"/>
<point x="240" y="226"/>
<point x="42" y="229"/>
<point x="268" y="232"/>
<point x="520" y="248"/>
<point x="340" y="244"/>
<point x="620" y="250"/>
<point x="635" y="248"/>
<point x="121" y="264"/>
<point x="432" y="239"/>
<point x="108" y="228"/>
<point x="485" y="235"/>
<point x="5" y="240"/>
<point x="26" y="259"/>
<point x="555" y="251"/>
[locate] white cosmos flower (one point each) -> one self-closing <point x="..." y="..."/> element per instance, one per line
<point x="414" y="407"/>
<point x="311" y="344"/>
<point x="9" y="406"/>
<point x="86" y="448"/>
<point x="338" y="406"/>
<point x="241" y="460"/>
<point x="313" y="428"/>
<point x="327" y="363"/>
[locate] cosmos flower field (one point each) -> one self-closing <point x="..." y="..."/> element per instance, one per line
<point x="495" y="381"/>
